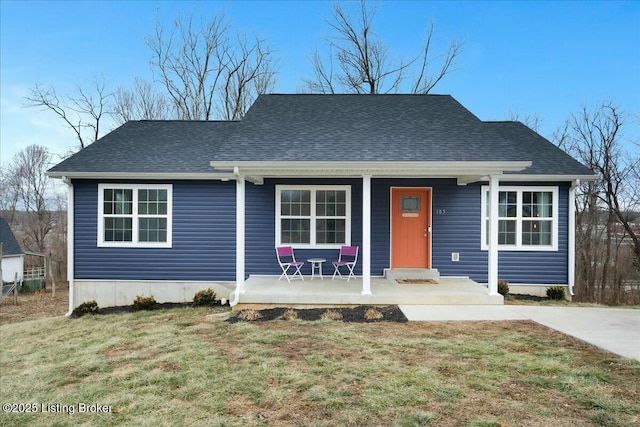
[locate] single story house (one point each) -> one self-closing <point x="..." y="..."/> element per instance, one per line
<point x="415" y="181"/>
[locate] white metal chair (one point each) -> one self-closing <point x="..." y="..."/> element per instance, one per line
<point x="347" y="258"/>
<point x="287" y="260"/>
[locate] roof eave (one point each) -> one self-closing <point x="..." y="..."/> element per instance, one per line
<point x="143" y="175"/>
<point x="547" y="177"/>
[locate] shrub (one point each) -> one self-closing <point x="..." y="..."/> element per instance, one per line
<point x="89" y="307"/>
<point x="503" y="287"/>
<point x="290" y="314"/>
<point x="373" y="314"/>
<point x="205" y="297"/>
<point x="250" y="315"/>
<point x="332" y="315"/>
<point x="144" y="303"/>
<point x="556" y="292"/>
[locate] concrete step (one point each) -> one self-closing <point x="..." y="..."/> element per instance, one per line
<point x="411" y="273"/>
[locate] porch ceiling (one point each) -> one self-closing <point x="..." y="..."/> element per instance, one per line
<point x="464" y="171"/>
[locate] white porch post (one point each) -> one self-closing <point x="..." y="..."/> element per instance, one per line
<point x="240" y="208"/>
<point x="493" y="235"/>
<point x="572" y="236"/>
<point x="366" y="235"/>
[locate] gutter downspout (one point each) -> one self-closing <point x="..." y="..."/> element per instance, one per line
<point x="240" y="187"/>
<point x="572" y="236"/>
<point x="70" y="243"/>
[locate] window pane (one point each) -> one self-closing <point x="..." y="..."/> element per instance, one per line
<point x="331" y="203"/>
<point x="507" y="204"/>
<point x="410" y="203"/>
<point x="537" y="204"/>
<point x="108" y="202"/>
<point x="536" y="233"/>
<point x="152" y="230"/>
<point x="295" y="202"/>
<point x="305" y="208"/>
<point x="117" y="230"/>
<point x="122" y="202"/>
<point x="152" y="202"/>
<point x="330" y="231"/>
<point x="295" y="231"/>
<point x="118" y="201"/>
<point x="506" y="232"/>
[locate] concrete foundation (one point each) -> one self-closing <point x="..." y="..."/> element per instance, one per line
<point x="111" y="293"/>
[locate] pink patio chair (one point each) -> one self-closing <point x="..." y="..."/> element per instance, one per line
<point x="347" y="258"/>
<point x="287" y="260"/>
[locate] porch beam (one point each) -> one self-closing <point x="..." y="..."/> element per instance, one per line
<point x="366" y="235"/>
<point x="468" y="179"/>
<point x="493" y="235"/>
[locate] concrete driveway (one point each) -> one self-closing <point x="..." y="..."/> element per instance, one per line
<point x="613" y="329"/>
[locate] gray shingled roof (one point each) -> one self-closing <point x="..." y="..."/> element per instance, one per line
<point x="364" y="128"/>
<point x="325" y="128"/>
<point x="152" y="147"/>
<point x="547" y="158"/>
<point x="10" y="245"/>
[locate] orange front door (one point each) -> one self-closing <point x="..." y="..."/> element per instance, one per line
<point x="410" y="227"/>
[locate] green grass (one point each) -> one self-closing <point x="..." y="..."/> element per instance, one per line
<point x="183" y="367"/>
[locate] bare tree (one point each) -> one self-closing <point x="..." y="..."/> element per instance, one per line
<point x="608" y="245"/>
<point x="83" y="112"/>
<point x="142" y="102"/>
<point x="359" y="62"/>
<point x="8" y="195"/>
<point x="208" y="70"/>
<point x="27" y="179"/>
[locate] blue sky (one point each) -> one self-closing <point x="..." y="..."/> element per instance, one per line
<point x="547" y="58"/>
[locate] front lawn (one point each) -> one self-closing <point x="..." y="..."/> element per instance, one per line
<point x="190" y="367"/>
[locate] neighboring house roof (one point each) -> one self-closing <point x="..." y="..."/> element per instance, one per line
<point x="329" y="128"/>
<point x="10" y="245"/>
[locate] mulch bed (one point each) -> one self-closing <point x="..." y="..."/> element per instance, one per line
<point x="360" y="314"/>
<point x="130" y="309"/>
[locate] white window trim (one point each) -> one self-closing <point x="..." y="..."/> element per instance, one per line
<point x="519" y="246"/>
<point x="313" y="189"/>
<point x="134" y="243"/>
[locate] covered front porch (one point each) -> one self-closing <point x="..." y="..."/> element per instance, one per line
<point x="382" y="177"/>
<point x="268" y="291"/>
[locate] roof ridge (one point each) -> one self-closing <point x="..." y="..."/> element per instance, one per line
<point x="182" y="121"/>
<point x="355" y="94"/>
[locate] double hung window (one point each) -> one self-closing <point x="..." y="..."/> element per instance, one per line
<point x="313" y="216"/>
<point x="527" y="218"/>
<point x="137" y="215"/>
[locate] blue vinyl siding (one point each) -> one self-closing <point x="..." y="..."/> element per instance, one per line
<point x="203" y="237"/>
<point x="204" y="234"/>
<point x="547" y="268"/>
<point x="457" y="229"/>
<point x="260" y="224"/>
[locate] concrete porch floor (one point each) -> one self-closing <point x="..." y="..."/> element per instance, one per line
<point x="268" y="291"/>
